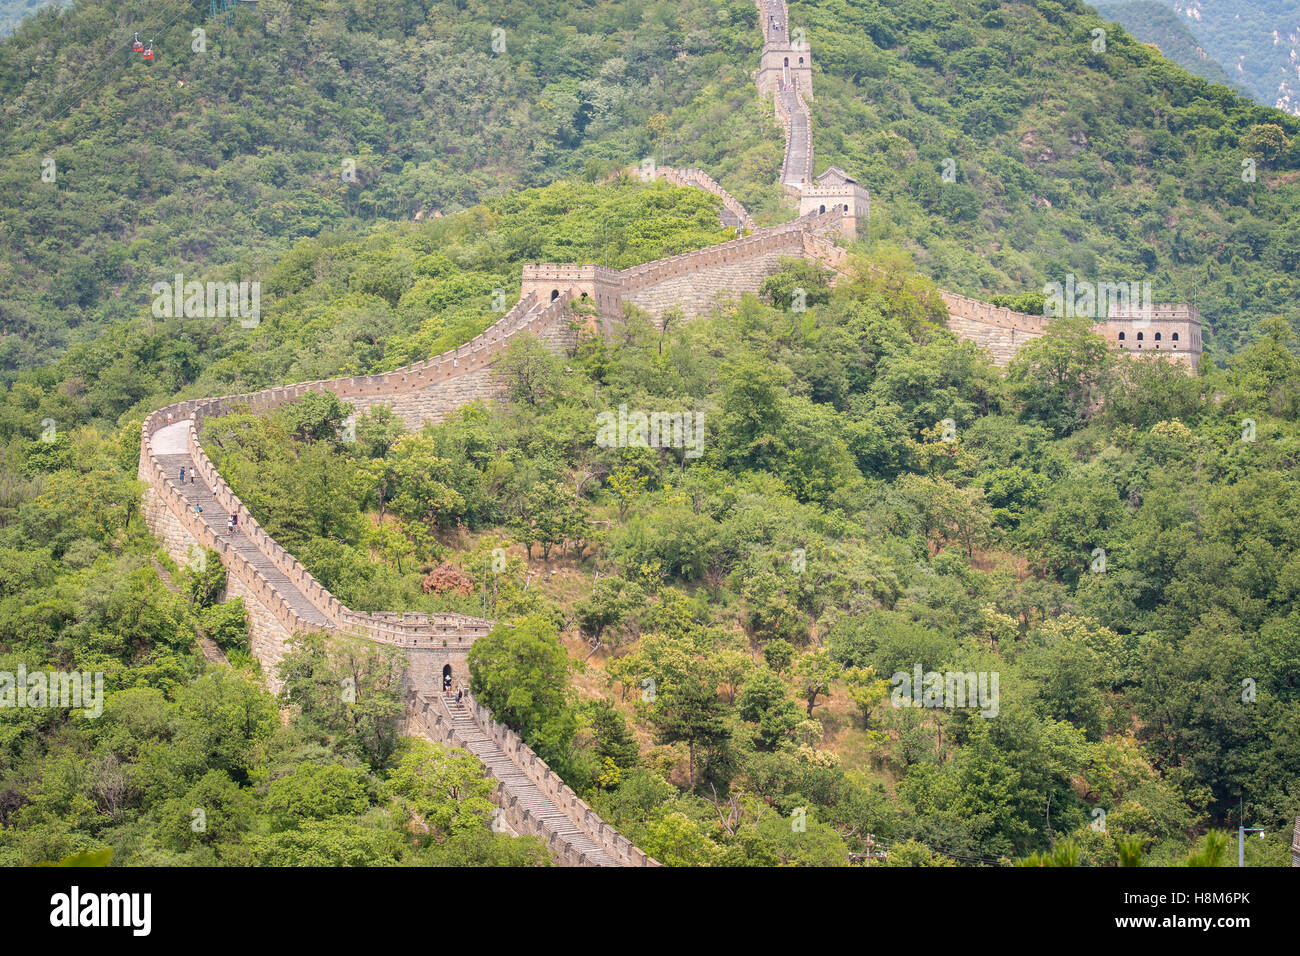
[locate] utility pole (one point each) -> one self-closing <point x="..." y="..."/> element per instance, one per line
<point x="1241" y="842"/>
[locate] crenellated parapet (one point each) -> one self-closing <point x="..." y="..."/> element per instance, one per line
<point x="536" y="801"/>
<point x="733" y="213"/>
<point x="1171" y="331"/>
<point x="290" y="599"/>
<point x="836" y="188"/>
<point x="1168" y="330"/>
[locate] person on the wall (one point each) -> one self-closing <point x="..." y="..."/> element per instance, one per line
<point x="446" y="683"/>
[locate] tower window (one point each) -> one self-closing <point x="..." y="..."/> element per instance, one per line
<point x="1121" y="336"/>
<point x="1139" y="336"/>
<point x="1175" y="336"/>
<point x="1157" y="336"/>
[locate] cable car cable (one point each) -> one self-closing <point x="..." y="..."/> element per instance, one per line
<point x="186" y="8"/>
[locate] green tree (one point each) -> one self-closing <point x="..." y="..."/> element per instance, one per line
<point x="1059" y="377"/>
<point x="520" y="673"/>
<point x="689" y="711"/>
<point x="444" y="786"/>
<point x="814" y="674"/>
<point x="349" y="690"/>
<point x="764" y="699"/>
<point x="315" y="792"/>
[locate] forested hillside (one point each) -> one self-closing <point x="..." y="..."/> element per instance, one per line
<point x="305" y="117"/>
<point x="1151" y="22"/>
<point x="1254" y="39"/>
<point x="828" y="537"/>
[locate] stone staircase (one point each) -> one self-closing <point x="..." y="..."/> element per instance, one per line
<point x="797" y="169"/>
<point x="521" y="795"/>
<point x="533" y="800"/>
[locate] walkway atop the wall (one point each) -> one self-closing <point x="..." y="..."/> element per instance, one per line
<point x="547" y="289"/>
<point x="797" y="169"/>
<point x="527" y="795"/>
<point x="170" y="451"/>
<point x="776" y="32"/>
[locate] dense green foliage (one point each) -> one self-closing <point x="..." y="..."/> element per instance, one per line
<point x="338" y="306"/>
<point x="702" y="647"/>
<point x="215" y="162"/>
<point x="81" y="589"/>
<point x="189" y="763"/>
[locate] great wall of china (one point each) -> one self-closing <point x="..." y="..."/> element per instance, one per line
<point x="283" y="598"/>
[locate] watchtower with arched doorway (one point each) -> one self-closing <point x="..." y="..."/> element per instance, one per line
<point x="834" y="188"/>
<point x="785" y="67"/>
<point x="601" y="286"/>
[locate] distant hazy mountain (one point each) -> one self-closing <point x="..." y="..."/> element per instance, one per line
<point x="1256" y="41"/>
<point x="13" y="11"/>
<point x="1154" y="22"/>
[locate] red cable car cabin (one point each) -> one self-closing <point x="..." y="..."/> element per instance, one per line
<point x="148" y="54"/>
<point x="136" y="45"/>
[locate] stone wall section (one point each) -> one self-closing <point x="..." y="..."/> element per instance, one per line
<point x="693" y="178"/>
<point x="505" y="755"/>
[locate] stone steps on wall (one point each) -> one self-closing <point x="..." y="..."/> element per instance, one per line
<point x="526" y="794"/>
<point x="797" y="169"/>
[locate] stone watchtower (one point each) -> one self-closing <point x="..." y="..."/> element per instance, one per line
<point x="597" y="284"/>
<point x="1169" y="330"/>
<point x="786" y="67"/>
<point x="834" y="188"/>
